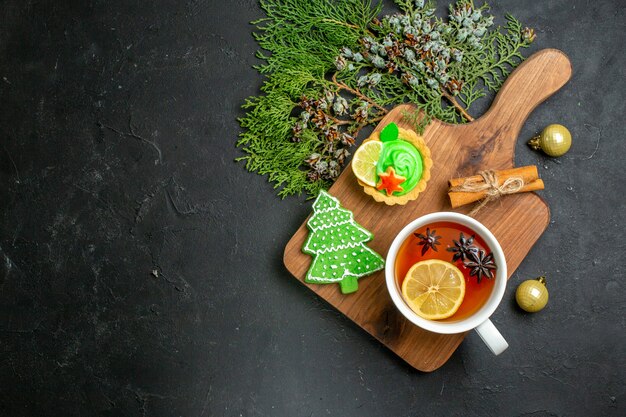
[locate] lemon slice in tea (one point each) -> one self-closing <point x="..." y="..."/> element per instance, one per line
<point x="365" y="160"/>
<point x="434" y="289"/>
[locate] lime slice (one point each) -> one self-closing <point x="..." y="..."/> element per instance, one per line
<point x="365" y="160"/>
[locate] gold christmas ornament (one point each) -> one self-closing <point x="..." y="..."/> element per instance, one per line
<point x="532" y="295"/>
<point x="554" y="140"/>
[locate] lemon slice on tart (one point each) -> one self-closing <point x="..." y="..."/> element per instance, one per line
<point x="365" y="160"/>
<point x="434" y="289"/>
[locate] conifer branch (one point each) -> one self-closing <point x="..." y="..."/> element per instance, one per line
<point x="456" y="105"/>
<point x="334" y="67"/>
<point x="357" y="93"/>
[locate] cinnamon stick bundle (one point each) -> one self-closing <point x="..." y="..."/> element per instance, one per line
<point x="493" y="184"/>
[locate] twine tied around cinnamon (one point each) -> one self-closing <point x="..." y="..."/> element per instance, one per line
<point x="491" y="186"/>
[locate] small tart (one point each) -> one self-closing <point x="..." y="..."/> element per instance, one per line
<point x="427" y="162"/>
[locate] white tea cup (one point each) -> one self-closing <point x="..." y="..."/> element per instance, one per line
<point x="480" y="319"/>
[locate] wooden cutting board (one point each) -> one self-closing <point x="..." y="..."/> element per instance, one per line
<point x="517" y="221"/>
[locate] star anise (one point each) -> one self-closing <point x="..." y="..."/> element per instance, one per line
<point x="481" y="265"/>
<point x="462" y="248"/>
<point x="428" y="241"/>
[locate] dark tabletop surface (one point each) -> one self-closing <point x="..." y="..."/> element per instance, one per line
<point x="118" y="124"/>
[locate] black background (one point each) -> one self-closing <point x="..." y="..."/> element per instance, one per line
<point x="118" y="124"/>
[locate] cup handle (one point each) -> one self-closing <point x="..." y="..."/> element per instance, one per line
<point x="492" y="337"/>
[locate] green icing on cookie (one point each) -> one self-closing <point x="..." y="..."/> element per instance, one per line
<point x="405" y="160"/>
<point x="337" y="243"/>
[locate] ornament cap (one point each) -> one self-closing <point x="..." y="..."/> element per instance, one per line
<point x="534" y="143"/>
<point x="542" y="279"/>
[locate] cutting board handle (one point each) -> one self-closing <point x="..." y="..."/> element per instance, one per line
<point x="536" y="79"/>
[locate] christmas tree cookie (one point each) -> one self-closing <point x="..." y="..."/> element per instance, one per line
<point x="337" y="244"/>
<point x="393" y="166"/>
